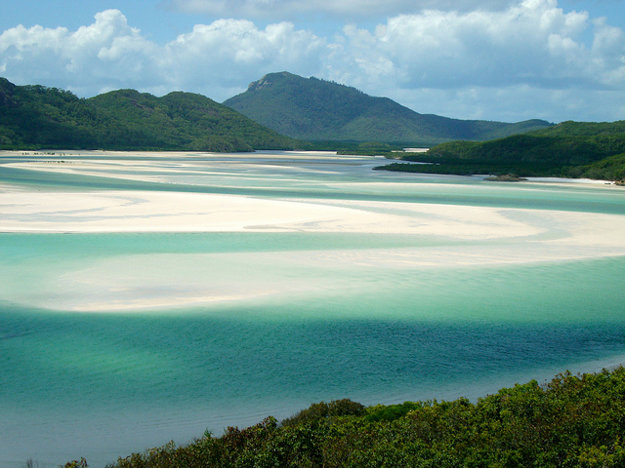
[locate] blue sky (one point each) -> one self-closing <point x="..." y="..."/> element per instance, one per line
<point x="488" y="59"/>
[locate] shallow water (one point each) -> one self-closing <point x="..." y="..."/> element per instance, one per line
<point x="112" y="343"/>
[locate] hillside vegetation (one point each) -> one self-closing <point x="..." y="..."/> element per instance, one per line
<point x="318" y="110"/>
<point x="569" y="149"/>
<point x="33" y="117"/>
<point x="571" y="421"/>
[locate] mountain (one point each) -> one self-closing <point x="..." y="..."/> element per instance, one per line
<point x="37" y="116"/>
<point x="317" y="110"/>
<point x="569" y="149"/>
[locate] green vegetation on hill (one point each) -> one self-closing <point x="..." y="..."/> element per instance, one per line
<point x="569" y="149"/>
<point x="316" y="110"/>
<point x="571" y="421"/>
<point x="33" y="117"/>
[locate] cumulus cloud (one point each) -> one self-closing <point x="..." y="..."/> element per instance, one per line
<point x="107" y="51"/>
<point x="425" y="60"/>
<point x="229" y="51"/>
<point x="109" y="54"/>
<point x="532" y="44"/>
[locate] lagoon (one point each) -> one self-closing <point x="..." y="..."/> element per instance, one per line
<point x="151" y="296"/>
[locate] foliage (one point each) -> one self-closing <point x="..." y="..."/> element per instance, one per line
<point x="570" y="149"/>
<point x="323" y="410"/>
<point x="611" y="168"/>
<point x="570" y="421"/>
<point x="33" y="117"/>
<point x="315" y="110"/>
<point x="82" y="463"/>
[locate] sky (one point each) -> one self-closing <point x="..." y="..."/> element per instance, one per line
<point x="507" y="60"/>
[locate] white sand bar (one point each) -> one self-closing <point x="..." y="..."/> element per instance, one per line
<point x="588" y="234"/>
<point x="466" y="236"/>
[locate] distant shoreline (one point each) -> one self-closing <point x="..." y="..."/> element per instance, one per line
<point x="417" y="168"/>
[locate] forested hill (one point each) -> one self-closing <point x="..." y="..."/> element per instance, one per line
<point x="316" y="110"/>
<point x="569" y="149"/>
<point x="33" y="117"/>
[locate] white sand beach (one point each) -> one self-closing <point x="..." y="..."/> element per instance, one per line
<point x="468" y="236"/>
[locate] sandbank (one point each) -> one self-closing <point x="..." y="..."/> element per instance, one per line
<point x="153" y="211"/>
<point x="469" y="236"/>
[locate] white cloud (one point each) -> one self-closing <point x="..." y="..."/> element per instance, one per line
<point x="533" y="42"/>
<point x="228" y="53"/>
<point x="608" y="49"/>
<point x="109" y="54"/>
<point x="108" y="50"/>
<point x="483" y="62"/>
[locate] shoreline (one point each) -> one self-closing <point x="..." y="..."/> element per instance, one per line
<point x="260" y="154"/>
<point x="394" y="168"/>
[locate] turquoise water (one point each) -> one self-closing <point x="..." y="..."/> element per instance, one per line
<point x="351" y="180"/>
<point x="103" y="384"/>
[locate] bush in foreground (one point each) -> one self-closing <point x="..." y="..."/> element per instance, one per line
<point x="571" y="421"/>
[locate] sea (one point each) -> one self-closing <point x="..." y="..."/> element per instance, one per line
<point x="99" y="359"/>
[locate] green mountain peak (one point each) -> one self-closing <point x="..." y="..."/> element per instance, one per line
<point x="315" y="109"/>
